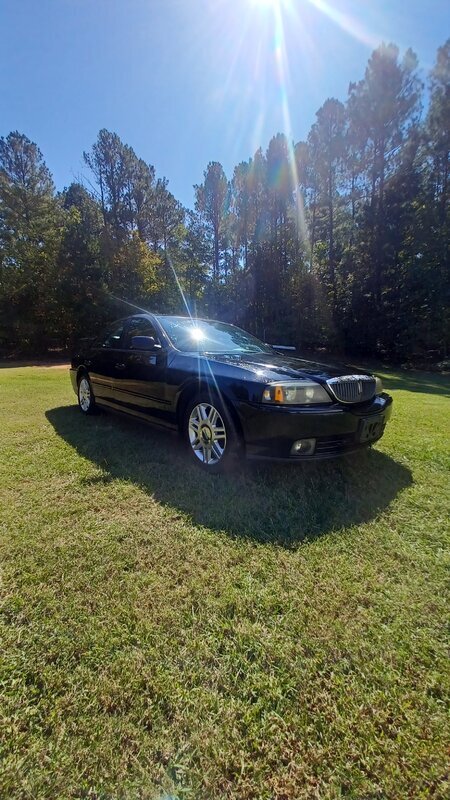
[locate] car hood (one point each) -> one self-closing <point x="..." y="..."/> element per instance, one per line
<point x="268" y="367"/>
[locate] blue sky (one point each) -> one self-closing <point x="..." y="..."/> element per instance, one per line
<point x="185" y="82"/>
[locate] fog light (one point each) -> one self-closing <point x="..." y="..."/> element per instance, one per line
<point x="303" y="447"/>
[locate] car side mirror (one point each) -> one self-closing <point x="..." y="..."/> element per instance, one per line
<point x="144" y="343"/>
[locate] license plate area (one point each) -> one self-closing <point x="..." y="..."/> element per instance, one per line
<point x="371" y="428"/>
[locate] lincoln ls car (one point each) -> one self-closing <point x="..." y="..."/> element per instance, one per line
<point x="226" y="392"/>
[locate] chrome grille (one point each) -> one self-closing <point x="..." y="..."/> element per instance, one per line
<point x="352" y="388"/>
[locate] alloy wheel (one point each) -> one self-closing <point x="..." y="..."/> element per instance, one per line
<point x="207" y="434"/>
<point x="84" y="394"/>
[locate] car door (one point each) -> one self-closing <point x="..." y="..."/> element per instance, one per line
<point x="102" y="361"/>
<point x="140" y="375"/>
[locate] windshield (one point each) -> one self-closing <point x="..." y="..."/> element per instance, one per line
<point x="210" y="337"/>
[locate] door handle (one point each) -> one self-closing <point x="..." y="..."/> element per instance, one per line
<point x="120" y="366"/>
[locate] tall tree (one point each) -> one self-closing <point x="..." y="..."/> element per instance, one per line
<point x="30" y="230"/>
<point x="327" y="146"/>
<point x="109" y="162"/>
<point x="438" y="128"/>
<point x="434" y="211"/>
<point x="382" y="109"/>
<point x="210" y="202"/>
<point x="82" y="274"/>
<point x="253" y="296"/>
<point x="240" y="194"/>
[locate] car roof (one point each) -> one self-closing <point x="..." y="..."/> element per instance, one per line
<point x="193" y="319"/>
<point x="155" y="314"/>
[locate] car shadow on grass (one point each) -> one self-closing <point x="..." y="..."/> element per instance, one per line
<point x="419" y="382"/>
<point x="268" y="502"/>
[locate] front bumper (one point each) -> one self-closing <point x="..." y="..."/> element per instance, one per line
<point x="270" y="431"/>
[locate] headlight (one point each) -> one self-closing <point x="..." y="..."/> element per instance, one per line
<point x="304" y="393"/>
<point x="378" y="385"/>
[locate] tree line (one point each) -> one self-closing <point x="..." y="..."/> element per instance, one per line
<point x="340" y="241"/>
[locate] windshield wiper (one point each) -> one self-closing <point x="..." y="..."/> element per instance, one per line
<point x="220" y="353"/>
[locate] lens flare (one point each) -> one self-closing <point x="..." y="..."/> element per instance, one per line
<point x="348" y="23"/>
<point x="197" y="334"/>
<point x="282" y="67"/>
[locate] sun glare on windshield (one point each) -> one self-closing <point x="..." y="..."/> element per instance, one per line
<point x="197" y="334"/>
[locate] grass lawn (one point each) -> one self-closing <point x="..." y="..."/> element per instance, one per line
<point x="277" y="633"/>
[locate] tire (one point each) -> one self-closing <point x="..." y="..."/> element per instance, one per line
<point x="86" y="399"/>
<point x="209" y="433"/>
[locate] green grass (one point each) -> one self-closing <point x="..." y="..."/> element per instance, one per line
<point x="277" y="633"/>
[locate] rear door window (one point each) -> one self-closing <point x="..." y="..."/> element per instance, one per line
<point x="113" y="337"/>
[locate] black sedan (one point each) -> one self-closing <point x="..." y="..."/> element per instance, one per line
<point x="227" y="392"/>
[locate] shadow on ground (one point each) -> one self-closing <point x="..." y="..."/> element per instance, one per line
<point x="414" y="381"/>
<point x="407" y="380"/>
<point x="274" y="502"/>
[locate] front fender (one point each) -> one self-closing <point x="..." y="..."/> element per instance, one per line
<point x="212" y="386"/>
